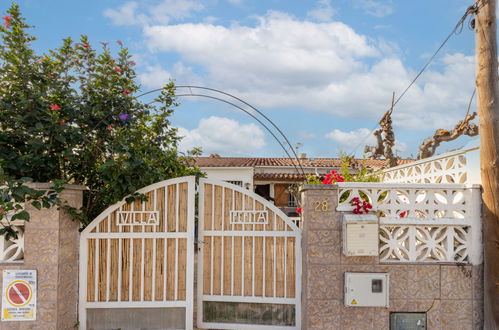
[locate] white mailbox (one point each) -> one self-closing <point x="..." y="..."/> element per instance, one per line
<point x="366" y="289"/>
<point x="360" y="235"/>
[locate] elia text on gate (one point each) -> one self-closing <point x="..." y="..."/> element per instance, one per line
<point x="248" y="217"/>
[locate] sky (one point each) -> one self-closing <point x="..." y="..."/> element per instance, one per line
<point x="323" y="72"/>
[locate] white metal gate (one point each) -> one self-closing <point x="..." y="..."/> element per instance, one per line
<point x="249" y="263"/>
<point x="138" y="256"/>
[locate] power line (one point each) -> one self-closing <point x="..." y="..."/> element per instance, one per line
<point x="456" y="30"/>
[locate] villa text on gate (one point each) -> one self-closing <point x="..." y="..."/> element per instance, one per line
<point x="248" y="217"/>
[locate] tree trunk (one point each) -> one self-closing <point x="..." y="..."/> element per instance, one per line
<point x="486" y="81"/>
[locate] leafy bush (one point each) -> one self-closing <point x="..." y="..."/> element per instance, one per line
<point x="69" y="116"/>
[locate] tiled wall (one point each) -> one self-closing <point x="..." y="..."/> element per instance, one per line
<point x="51" y="248"/>
<point x="451" y="295"/>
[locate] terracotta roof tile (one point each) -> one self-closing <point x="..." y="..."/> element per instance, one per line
<point x="218" y="161"/>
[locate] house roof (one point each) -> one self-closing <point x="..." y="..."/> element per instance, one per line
<point x="218" y="161"/>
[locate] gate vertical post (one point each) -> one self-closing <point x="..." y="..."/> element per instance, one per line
<point x="321" y="244"/>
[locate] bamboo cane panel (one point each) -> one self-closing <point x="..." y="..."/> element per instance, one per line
<point x="248" y="205"/>
<point x="248" y="266"/>
<point x="148" y="257"/>
<point x="126" y="207"/>
<point x="207" y="265"/>
<point x="227" y="284"/>
<point x="102" y="228"/>
<point x="271" y="221"/>
<point x="114" y="226"/>
<point x="227" y="208"/>
<point x="160" y="206"/>
<point x="238" y="265"/>
<point x="269" y="267"/>
<point x="182" y="266"/>
<point x="102" y="269"/>
<point x="113" y="271"/>
<point x="170" y="269"/>
<point x="291" y="267"/>
<point x="125" y="269"/>
<point x="280" y="267"/>
<point x="259" y="266"/>
<point x="183" y="207"/>
<point x="238" y="205"/>
<point x="160" y="266"/>
<point x="218" y="208"/>
<point x="217" y="265"/>
<point x="172" y="209"/>
<point x="136" y="269"/>
<point x="91" y="270"/>
<point x="208" y="206"/>
<point x="137" y="206"/>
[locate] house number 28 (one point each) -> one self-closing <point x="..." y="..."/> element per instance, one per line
<point x="320" y="206"/>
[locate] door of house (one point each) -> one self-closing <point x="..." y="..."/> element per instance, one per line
<point x="137" y="261"/>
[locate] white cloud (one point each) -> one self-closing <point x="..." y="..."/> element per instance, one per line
<point x="325" y="67"/>
<point x="359" y="138"/>
<point x="324" y="11"/>
<point x="352" y="138"/>
<point x="155" y="77"/>
<point x="375" y="8"/>
<point x="306" y="135"/>
<point x="161" y="12"/>
<point x="223" y="136"/>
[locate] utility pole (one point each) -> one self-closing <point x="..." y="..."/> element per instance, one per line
<point x="488" y="112"/>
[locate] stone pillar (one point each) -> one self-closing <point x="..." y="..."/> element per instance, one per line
<point x="321" y="276"/>
<point x="51" y="243"/>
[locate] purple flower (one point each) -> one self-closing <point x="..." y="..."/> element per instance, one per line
<point x="123" y="116"/>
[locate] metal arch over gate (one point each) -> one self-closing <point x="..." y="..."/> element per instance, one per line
<point x="140" y="255"/>
<point x="249" y="263"/>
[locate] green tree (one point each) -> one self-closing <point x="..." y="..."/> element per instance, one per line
<point x="70" y="116"/>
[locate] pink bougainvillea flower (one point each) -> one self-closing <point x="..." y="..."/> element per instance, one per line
<point x="117" y="69"/>
<point x="55" y="107"/>
<point x="1" y="211"/>
<point x="299" y="210"/>
<point x="7" y="20"/>
<point x="109" y="127"/>
<point x="86" y="45"/>
<point x="50" y="76"/>
<point x="62" y="123"/>
<point x="127" y="91"/>
<point x="132" y="63"/>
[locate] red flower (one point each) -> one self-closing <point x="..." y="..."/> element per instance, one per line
<point x="132" y="63"/>
<point x="127" y="91"/>
<point x="50" y="76"/>
<point x="109" y="127"/>
<point x="299" y="210"/>
<point x="117" y="69"/>
<point x="7" y="20"/>
<point x="86" y="45"/>
<point x="1" y="211"/>
<point x="62" y="123"/>
<point x="332" y="178"/>
<point x="55" y="107"/>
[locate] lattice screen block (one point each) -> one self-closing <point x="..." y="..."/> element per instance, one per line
<point x="360" y="235"/>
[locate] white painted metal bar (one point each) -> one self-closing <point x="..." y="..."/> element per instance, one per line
<point x="252" y="233"/>
<point x="136" y="304"/>
<point x="130" y="275"/>
<point x="253" y="264"/>
<point x="165" y="265"/>
<point x="96" y="294"/>
<point x="243" y="270"/>
<point x="108" y="265"/>
<point x="155" y="227"/>
<point x="138" y="235"/>
<point x="120" y="257"/>
<point x="249" y="299"/>
<point x="275" y="264"/>
<point x="212" y="252"/>
<point x="142" y="266"/>
<point x="212" y="208"/>
<point x="222" y="269"/>
<point x="264" y="266"/>
<point x="165" y="225"/>
<point x="285" y="267"/>
<point x="176" y="270"/>
<point x="232" y="267"/>
<point x="177" y="211"/>
<point x="153" y="285"/>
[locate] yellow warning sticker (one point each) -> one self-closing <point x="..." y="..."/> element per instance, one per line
<point x="354" y="302"/>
